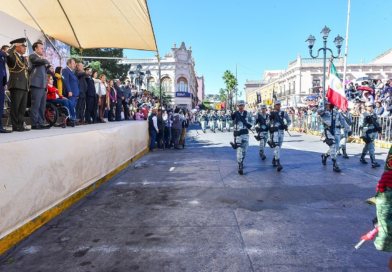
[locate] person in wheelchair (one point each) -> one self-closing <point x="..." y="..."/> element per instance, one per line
<point x="54" y="97"/>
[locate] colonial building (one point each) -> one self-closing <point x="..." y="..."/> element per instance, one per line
<point x="178" y="76"/>
<point x="295" y="83"/>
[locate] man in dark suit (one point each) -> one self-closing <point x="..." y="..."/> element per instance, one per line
<point x="70" y="82"/>
<point x="120" y="99"/>
<point x="3" y="83"/>
<point x="38" y="66"/>
<point x="80" y="106"/>
<point x="18" y="83"/>
<point x="91" y="112"/>
<point x="127" y="93"/>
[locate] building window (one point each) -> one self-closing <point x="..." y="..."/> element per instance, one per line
<point x="166" y="84"/>
<point x="182" y="85"/>
<point x="316" y="82"/>
<point x="293" y="87"/>
<point x="150" y="83"/>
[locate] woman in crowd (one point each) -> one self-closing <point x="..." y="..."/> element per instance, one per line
<point x="53" y="96"/>
<point x="139" y="115"/>
<point x="112" y="100"/>
<point x="102" y="91"/>
<point x="59" y="81"/>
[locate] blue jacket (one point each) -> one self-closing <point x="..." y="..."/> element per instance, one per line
<point x="3" y="71"/>
<point x="70" y="82"/>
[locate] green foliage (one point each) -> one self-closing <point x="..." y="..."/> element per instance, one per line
<point x="96" y="65"/>
<point x="222" y="95"/>
<point x="109" y="67"/>
<point x="206" y="104"/>
<point x="166" y="99"/>
<point x="10" y="260"/>
<point x="231" y="86"/>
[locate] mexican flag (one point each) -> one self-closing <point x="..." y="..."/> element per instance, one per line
<point x="335" y="93"/>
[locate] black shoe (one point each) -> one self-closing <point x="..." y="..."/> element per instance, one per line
<point x="374" y="162"/>
<point x="22" y="129"/>
<point x="274" y="164"/>
<point x="37" y="128"/>
<point x="204" y="131"/>
<point x="2" y="130"/>
<point x="335" y="166"/>
<point x="362" y="159"/>
<point x="280" y="167"/>
<point x="339" y="153"/>
<point x="240" y="168"/>
<point x="345" y="154"/>
<point x="324" y="159"/>
<point x="263" y="157"/>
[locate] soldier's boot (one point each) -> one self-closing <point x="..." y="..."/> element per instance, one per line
<point x="345" y="153"/>
<point x="204" y="131"/>
<point x="374" y="162"/>
<point x="228" y="130"/>
<point x="339" y="153"/>
<point x="274" y="162"/>
<point x="241" y="167"/>
<point x="335" y="166"/>
<point x="362" y="159"/>
<point x="324" y="159"/>
<point x="280" y="167"/>
<point x="261" y="153"/>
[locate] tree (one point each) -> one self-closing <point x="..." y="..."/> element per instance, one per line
<point x="109" y="67"/>
<point x="231" y="83"/>
<point x="206" y="104"/>
<point x="222" y="95"/>
<point x="166" y="99"/>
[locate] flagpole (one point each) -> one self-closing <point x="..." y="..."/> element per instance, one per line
<point x="345" y="53"/>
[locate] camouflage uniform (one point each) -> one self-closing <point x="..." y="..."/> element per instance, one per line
<point x="213" y="121"/>
<point x="262" y="128"/>
<point x="344" y="133"/>
<point x="203" y="117"/>
<point x="229" y="121"/>
<point x="222" y="121"/>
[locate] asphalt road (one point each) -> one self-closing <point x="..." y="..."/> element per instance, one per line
<point x="189" y="210"/>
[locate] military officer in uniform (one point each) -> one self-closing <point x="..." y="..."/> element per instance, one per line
<point x="222" y="121"/>
<point x="203" y="120"/>
<point x="344" y="133"/>
<point x="18" y="83"/>
<point x="229" y="121"/>
<point x="277" y="128"/>
<point x="213" y="120"/>
<point x="370" y="125"/>
<point x="262" y="128"/>
<point x="242" y="122"/>
<point x="331" y="120"/>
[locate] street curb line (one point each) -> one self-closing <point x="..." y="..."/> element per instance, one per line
<point x="13" y="238"/>
<point x="352" y="139"/>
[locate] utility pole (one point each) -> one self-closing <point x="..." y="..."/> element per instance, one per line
<point x="346" y="50"/>
<point x="236" y="85"/>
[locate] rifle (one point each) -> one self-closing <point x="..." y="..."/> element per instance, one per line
<point x="282" y="122"/>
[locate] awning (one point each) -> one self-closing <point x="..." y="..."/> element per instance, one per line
<point x="88" y="23"/>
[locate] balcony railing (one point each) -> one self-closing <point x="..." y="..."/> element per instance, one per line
<point x="319" y="60"/>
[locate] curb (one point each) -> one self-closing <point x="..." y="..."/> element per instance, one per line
<point x="16" y="236"/>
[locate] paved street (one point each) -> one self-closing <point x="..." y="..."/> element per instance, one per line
<point x="189" y="210"/>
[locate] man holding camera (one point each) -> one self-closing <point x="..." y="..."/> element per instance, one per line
<point x="242" y="122"/>
<point x="370" y="125"/>
<point x="262" y="127"/>
<point x="277" y="129"/>
<point x="332" y="120"/>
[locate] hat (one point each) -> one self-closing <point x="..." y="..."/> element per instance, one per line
<point x="263" y="107"/>
<point x="369" y="104"/>
<point x="116" y="80"/>
<point x="277" y="102"/>
<point x="20" y="40"/>
<point x="240" y="102"/>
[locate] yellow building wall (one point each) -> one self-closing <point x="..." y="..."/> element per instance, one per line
<point x="267" y="92"/>
<point x="252" y="101"/>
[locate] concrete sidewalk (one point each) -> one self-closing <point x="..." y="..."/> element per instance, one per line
<point x="189" y="210"/>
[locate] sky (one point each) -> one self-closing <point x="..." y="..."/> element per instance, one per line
<point x="264" y="35"/>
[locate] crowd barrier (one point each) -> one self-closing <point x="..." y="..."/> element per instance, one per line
<point x="42" y="176"/>
<point x="313" y="125"/>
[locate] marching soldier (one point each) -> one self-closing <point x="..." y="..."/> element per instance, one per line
<point x="262" y="127"/>
<point x="213" y="120"/>
<point x="370" y="125"/>
<point x="241" y="122"/>
<point x="203" y="118"/>
<point x="277" y="128"/>
<point x="222" y="121"/>
<point x="344" y="133"/>
<point x="331" y="120"/>
<point x="18" y="82"/>
<point x="229" y="121"/>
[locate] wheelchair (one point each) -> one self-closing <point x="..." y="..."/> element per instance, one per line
<point x="53" y="112"/>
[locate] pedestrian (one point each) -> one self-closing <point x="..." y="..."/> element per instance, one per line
<point x="103" y="98"/>
<point x="91" y="111"/>
<point x="127" y="93"/>
<point x="222" y="121"/>
<point x="262" y="122"/>
<point x="120" y="99"/>
<point x="3" y="83"/>
<point x="277" y="128"/>
<point x="242" y="123"/>
<point x="153" y="128"/>
<point x="177" y="127"/>
<point x="38" y="66"/>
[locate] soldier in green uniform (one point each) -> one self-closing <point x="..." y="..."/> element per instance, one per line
<point x="229" y="121"/>
<point x="213" y="120"/>
<point x="222" y="121"/>
<point x="344" y="133"/>
<point x="370" y="126"/>
<point x="203" y="117"/>
<point x="262" y="128"/>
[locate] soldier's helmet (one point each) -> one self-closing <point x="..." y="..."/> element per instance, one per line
<point x="240" y="102"/>
<point x="263" y="107"/>
<point x="277" y="102"/>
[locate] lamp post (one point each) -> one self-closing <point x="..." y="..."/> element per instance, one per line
<point x="148" y="74"/>
<point x="338" y="42"/>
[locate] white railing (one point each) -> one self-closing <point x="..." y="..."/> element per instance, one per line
<point x="319" y="60"/>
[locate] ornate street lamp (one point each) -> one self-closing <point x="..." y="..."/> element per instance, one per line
<point x="338" y="42"/>
<point x="131" y="75"/>
<point x="148" y="74"/>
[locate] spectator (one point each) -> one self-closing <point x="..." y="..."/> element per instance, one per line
<point x="3" y="83"/>
<point x="145" y="111"/>
<point x="112" y="101"/>
<point x="91" y="115"/>
<point x="120" y="99"/>
<point x="96" y="100"/>
<point x="177" y="127"/>
<point x="58" y="83"/>
<point x="139" y="115"/>
<point x="81" y="104"/>
<point x="161" y="128"/>
<point x="379" y="110"/>
<point x="103" y="97"/>
<point x="39" y="66"/>
<point x="54" y="96"/>
<point x="70" y="83"/>
<point x="153" y="128"/>
<point x="127" y="93"/>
